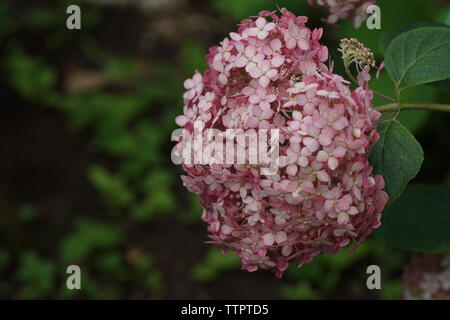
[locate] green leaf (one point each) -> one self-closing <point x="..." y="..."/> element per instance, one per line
<point x="111" y="262"/>
<point x="397" y="156"/>
<point x="387" y="38"/>
<point x="158" y="203"/>
<point x="419" y="220"/>
<point x="413" y="120"/>
<point x="32" y="78"/>
<point x="419" y="56"/>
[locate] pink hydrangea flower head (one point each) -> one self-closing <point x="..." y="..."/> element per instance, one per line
<point x="355" y="10"/>
<point x="427" y="277"/>
<point x="270" y="74"/>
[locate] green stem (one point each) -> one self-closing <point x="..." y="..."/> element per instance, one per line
<point x="383" y="96"/>
<point x="414" y="106"/>
<point x="347" y="71"/>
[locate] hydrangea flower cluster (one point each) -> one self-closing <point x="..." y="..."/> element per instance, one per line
<point x="354" y="51"/>
<point x="427" y="277"/>
<point x="346" y="9"/>
<point x="270" y="74"/>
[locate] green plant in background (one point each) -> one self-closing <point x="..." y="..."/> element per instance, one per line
<point x="317" y="280"/>
<point x="214" y="264"/>
<point x="5" y="260"/>
<point x="322" y="276"/>
<point x="126" y="124"/>
<point x="100" y="244"/>
<point x="158" y="199"/>
<point x="149" y="275"/>
<point x="138" y="144"/>
<point x="30" y="76"/>
<point x="113" y="189"/>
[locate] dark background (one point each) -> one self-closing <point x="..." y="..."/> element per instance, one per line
<point x="85" y="170"/>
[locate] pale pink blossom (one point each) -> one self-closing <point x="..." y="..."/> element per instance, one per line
<point x="249" y="58"/>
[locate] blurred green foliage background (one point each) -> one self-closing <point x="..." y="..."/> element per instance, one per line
<point x="85" y="170"/>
